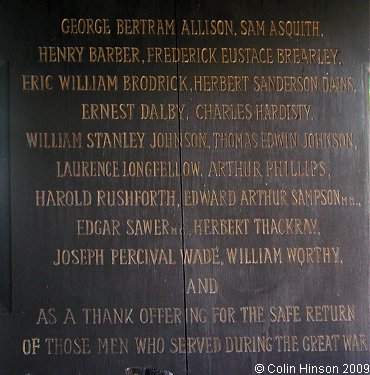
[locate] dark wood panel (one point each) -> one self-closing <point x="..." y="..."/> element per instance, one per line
<point x="254" y="245"/>
<point x="5" y="283"/>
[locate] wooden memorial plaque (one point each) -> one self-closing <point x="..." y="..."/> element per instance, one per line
<point x="184" y="187"/>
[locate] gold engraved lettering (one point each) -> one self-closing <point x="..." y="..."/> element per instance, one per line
<point x="201" y="256"/>
<point x="54" y="140"/>
<point x="315" y="254"/>
<point x="202" y="286"/>
<point x="87" y="169"/>
<point x="195" y="345"/>
<point x="282" y="112"/>
<point x="235" y="140"/>
<point x="223" y="227"/>
<point x="231" y="168"/>
<point x="112" y="111"/>
<point x="160" y="315"/>
<point x="162" y="111"/>
<point x="325" y="56"/>
<point x="207" y="27"/>
<point x="135" y="198"/>
<point x="221" y="83"/>
<point x="198" y="55"/>
<point x="153" y="227"/>
<point x="248" y="344"/>
<point x="330" y="313"/>
<point x="51" y="54"/>
<point x="115" y="140"/>
<point x="85" y="26"/>
<point x="252" y="314"/>
<point x="112" y="345"/>
<point x="284" y="314"/>
<point x="246" y="55"/>
<point x="140" y="257"/>
<point x="154" y="83"/>
<point x="160" y="168"/>
<point x="223" y="111"/>
<point x="357" y="343"/>
<point x="223" y="315"/>
<point x="252" y="27"/>
<point x="179" y="140"/>
<point x="145" y="27"/>
<point x="209" y="198"/>
<point x="261" y="255"/>
<point x="285" y="84"/>
<point x="150" y="345"/>
<point x="295" y="168"/>
<point x="279" y="140"/>
<point x="287" y="226"/>
<point x="320" y="343"/>
<point x="114" y="55"/>
<point x="328" y="140"/>
<point x="316" y="197"/>
<point x="337" y="84"/>
<point x="98" y="227"/>
<point x="37" y="82"/>
<point x="102" y="316"/>
<point x="287" y="343"/>
<point x="295" y="28"/>
<point x="62" y="198"/>
<point x="82" y="257"/>
<point x="88" y="83"/>
<point x="260" y="197"/>
<point x="75" y="346"/>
